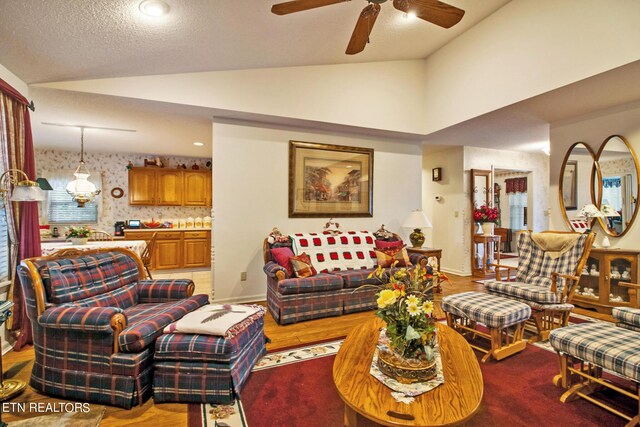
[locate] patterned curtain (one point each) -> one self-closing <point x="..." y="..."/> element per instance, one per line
<point x="16" y="146"/>
<point x="516" y="185"/>
<point x="614" y="182"/>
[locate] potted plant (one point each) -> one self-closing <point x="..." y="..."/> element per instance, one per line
<point x="78" y="235"/>
<point x="487" y="217"/>
<point x="404" y="303"/>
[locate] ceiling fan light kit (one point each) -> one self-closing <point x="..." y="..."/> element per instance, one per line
<point x="433" y="11"/>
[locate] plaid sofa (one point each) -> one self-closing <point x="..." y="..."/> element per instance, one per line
<point x="95" y="321"/>
<point x="333" y="291"/>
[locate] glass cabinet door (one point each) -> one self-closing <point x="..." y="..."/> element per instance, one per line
<point x="589" y="285"/>
<point x="619" y="271"/>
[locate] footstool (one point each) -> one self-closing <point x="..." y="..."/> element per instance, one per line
<point x="206" y="368"/>
<point x="498" y="314"/>
<point x="586" y="349"/>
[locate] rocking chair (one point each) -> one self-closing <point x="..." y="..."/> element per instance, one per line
<point x="546" y="278"/>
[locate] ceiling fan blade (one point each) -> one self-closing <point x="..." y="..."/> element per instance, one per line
<point x="300" y="5"/>
<point x="434" y="11"/>
<point x="363" y="28"/>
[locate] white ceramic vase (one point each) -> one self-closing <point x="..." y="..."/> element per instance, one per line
<point x="487" y="228"/>
<point x="79" y="240"/>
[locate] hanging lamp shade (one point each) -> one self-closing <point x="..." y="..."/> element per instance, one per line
<point x="81" y="190"/>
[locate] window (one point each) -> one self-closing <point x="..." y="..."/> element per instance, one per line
<point x="518" y="211"/>
<point x="60" y="209"/>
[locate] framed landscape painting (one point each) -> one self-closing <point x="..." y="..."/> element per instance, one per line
<point x="330" y="180"/>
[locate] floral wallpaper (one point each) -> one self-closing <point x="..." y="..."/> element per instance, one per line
<point x="113" y="169"/>
<point x="617" y="167"/>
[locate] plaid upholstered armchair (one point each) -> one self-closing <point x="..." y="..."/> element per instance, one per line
<point x="548" y="271"/>
<point x="95" y="322"/>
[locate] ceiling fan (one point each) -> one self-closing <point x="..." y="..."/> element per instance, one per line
<point x="433" y="11"/>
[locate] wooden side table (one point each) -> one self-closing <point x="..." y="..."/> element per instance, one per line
<point x="8" y="388"/>
<point x="486" y="240"/>
<point x="430" y="252"/>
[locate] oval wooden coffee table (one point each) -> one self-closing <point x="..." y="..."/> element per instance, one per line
<point x="450" y="403"/>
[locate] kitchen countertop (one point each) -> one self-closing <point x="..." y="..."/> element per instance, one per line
<point x="136" y="230"/>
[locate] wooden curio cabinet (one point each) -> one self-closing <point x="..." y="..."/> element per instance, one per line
<point x="598" y="287"/>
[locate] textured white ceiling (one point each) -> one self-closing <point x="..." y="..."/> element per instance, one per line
<point x="57" y="40"/>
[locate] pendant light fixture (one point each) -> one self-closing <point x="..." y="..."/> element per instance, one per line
<point x="81" y="190"/>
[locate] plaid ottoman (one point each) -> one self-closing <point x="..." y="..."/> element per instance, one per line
<point x="498" y="314"/>
<point x="585" y="350"/>
<point x="207" y="368"/>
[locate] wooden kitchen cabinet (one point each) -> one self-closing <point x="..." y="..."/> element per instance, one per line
<point x="598" y="286"/>
<point x="176" y="248"/>
<point x="196" y="249"/>
<point x="169" y="187"/>
<point x="197" y="188"/>
<point x="142" y="186"/>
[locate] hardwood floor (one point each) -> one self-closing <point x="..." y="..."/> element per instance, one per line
<point x="174" y="415"/>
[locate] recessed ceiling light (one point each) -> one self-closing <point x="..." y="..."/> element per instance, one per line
<point x="410" y="15"/>
<point x="154" y="8"/>
<point x="198" y="144"/>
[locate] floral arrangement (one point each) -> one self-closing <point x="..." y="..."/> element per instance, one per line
<point x="405" y="306"/>
<point x="485" y="214"/>
<point x="77" y="232"/>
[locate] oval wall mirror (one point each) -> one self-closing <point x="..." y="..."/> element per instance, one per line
<point x="577" y="176"/>
<point x="618" y="198"/>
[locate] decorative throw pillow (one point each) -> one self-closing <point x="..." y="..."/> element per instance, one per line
<point x="385" y="244"/>
<point x="302" y="266"/>
<point x="386" y="257"/>
<point x="283" y="257"/>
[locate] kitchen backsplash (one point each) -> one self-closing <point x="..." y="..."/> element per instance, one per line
<point x="113" y="169"/>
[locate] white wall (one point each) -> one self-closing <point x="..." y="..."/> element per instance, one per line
<point x="593" y="130"/>
<point x="452" y="233"/>
<point x="250" y="197"/>
<point x="446" y="215"/>
<point x="376" y="95"/>
<point x="524" y="49"/>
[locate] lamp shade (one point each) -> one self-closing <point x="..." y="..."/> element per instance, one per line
<point x="417" y="219"/>
<point x="25" y="192"/>
<point x="609" y="211"/>
<point x="590" y="211"/>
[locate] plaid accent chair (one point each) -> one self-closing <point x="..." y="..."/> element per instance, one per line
<point x="546" y="277"/>
<point x="344" y="262"/>
<point x="95" y="322"/>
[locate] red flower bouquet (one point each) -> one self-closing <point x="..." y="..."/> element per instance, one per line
<point x="485" y="214"/>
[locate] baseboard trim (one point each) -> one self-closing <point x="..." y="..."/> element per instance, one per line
<point x="6" y="347"/>
<point x="240" y="300"/>
<point x="456" y="272"/>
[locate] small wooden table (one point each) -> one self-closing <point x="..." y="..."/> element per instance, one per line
<point x="430" y="252"/>
<point x="486" y="240"/>
<point x="450" y="403"/>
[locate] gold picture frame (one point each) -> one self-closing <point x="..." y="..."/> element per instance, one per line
<point x="330" y="180"/>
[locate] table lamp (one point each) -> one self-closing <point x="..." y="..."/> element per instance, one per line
<point x="589" y="211"/>
<point x="417" y="220"/>
<point x="608" y="211"/>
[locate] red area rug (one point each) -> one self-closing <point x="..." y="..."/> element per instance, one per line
<point x="518" y="391"/>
